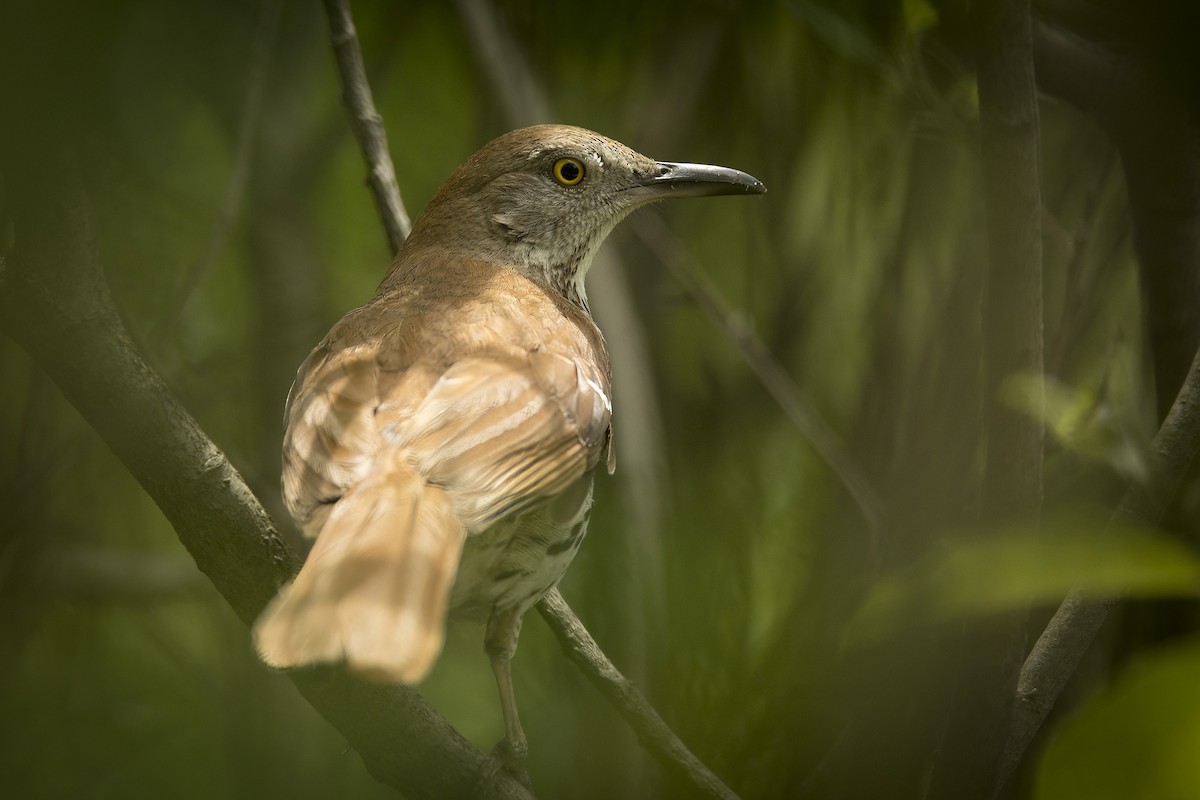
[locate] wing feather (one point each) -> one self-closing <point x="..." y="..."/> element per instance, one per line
<point x="499" y="431"/>
<point x="503" y="432"/>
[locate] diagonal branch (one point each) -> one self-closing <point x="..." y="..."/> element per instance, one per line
<point x="367" y="123"/>
<point x="654" y="734"/>
<point x="1069" y="634"/>
<point x="55" y="303"/>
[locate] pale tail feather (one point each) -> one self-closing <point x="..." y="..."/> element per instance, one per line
<point x="374" y="590"/>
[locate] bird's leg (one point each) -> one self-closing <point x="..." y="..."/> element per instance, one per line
<point x="500" y="642"/>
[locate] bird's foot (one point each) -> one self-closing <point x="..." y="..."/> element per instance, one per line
<point x="511" y="755"/>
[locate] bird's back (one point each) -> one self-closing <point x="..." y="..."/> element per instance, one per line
<point x="371" y="383"/>
<point x="485" y="391"/>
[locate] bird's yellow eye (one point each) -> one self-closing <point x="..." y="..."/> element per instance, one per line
<point x="568" y="171"/>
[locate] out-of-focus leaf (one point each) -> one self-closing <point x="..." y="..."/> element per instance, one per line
<point x="919" y="16"/>
<point x="838" y="32"/>
<point x="975" y="575"/>
<point x="1079" y="420"/>
<point x="1137" y="740"/>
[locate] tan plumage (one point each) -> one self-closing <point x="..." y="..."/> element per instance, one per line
<point x="441" y="440"/>
<point x="479" y="415"/>
<point x="374" y="593"/>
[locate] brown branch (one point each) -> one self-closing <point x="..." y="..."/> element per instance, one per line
<point x="367" y="123"/>
<point x="654" y="734"/>
<point x="55" y="303"/>
<point x="1069" y="634"/>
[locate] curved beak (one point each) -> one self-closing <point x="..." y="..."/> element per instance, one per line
<point x="698" y="180"/>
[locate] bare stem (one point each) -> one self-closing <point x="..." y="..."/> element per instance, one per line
<point x="367" y="123"/>
<point x="654" y="734"/>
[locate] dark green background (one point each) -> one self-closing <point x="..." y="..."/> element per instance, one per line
<point x="726" y="567"/>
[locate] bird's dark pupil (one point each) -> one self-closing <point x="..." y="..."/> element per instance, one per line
<point x="569" y="171"/>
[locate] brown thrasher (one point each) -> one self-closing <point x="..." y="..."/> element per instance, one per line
<point x="441" y="440"/>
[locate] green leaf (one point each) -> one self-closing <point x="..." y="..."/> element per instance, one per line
<point x="1137" y="740"/>
<point x="919" y="16"/>
<point x="846" y="38"/>
<point x="1079" y="420"/>
<point x="984" y="573"/>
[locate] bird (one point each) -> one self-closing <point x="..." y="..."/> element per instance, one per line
<point x="441" y="440"/>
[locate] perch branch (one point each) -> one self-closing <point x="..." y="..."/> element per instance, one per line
<point x="654" y="734"/>
<point x="367" y="123"/>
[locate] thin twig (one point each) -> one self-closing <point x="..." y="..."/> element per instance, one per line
<point x="367" y="123"/>
<point x="235" y="189"/>
<point x="654" y="734"/>
<point x="825" y="442"/>
<point x="1069" y="634"/>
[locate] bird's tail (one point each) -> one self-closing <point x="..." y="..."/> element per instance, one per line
<point x="375" y="588"/>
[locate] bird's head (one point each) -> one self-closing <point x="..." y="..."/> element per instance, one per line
<point x="542" y="199"/>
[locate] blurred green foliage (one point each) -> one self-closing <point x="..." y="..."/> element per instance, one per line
<point x="860" y="270"/>
<point x="970" y="575"/>
<point x="1134" y="741"/>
